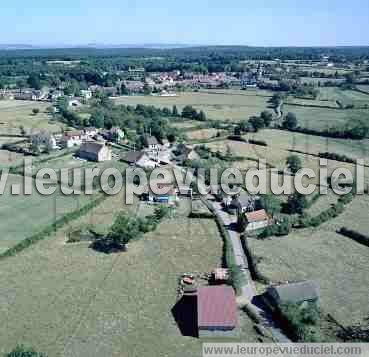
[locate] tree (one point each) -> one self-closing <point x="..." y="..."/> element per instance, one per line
<point x="267" y="117"/>
<point x="256" y="123"/>
<point x="271" y="204"/>
<point x="34" y="81"/>
<point x="241" y="222"/>
<point x="290" y="121"/>
<point x="123" y="89"/>
<point x="35" y="111"/>
<point x="97" y="119"/>
<point x="21" y="351"/>
<point x="146" y="89"/>
<point x="161" y="212"/>
<point x="175" y="111"/>
<point x="22" y="130"/>
<point x="201" y="116"/>
<point x="123" y="230"/>
<point x="189" y="112"/>
<point x="294" y="163"/>
<point x="296" y="203"/>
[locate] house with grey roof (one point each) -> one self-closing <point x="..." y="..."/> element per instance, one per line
<point x="94" y="151"/>
<point x="294" y="293"/>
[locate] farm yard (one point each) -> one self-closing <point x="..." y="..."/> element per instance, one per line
<point x="232" y="106"/>
<point x="15" y="113"/>
<point x="338" y="263"/>
<point x="92" y="304"/>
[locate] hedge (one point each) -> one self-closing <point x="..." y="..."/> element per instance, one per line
<point x="252" y="264"/>
<point x="48" y="230"/>
<point x="358" y="237"/>
<point x="228" y="257"/>
<point x="332" y="212"/>
<point x="258" y="142"/>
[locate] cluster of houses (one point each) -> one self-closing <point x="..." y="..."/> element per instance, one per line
<point x="94" y="144"/>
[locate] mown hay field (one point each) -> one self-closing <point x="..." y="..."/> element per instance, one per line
<point x="337" y="263"/>
<point x="230" y="106"/>
<point x="15" y="113"/>
<point x="86" y="303"/>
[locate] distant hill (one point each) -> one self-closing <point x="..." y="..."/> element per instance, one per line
<point x="93" y="45"/>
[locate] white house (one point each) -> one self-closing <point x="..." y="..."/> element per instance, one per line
<point x="86" y="94"/>
<point x="72" y="138"/>
<point x="257" y="220"/>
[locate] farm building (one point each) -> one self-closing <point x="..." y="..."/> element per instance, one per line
<point x="139" y="158"/>
<point x="216" y="309"/>
<point x="94" y="151"/>
<point x="293" y="293"/>
<point x="256" y="220"/>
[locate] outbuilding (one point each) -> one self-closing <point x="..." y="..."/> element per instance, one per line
<point x="295" y="293"/>
<point x="94" y="151"/>
<point x="216" y="309"/>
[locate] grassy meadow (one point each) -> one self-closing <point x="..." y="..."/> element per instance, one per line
<point x="16" y="113"/>
<point x="23" y="215"/>
<point x="221" y="105"/>
<point x="337" y="263"/>
<point x="87" y="303"/>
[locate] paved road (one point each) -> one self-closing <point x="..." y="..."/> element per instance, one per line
<point x="248" y="290"/>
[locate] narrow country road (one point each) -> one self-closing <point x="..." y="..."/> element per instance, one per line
<point x="248" y="290"/>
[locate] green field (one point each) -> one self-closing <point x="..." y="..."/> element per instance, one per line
<point x="218" y="105"/>
<point x="14" y="113"/>
<point x="339" y="264"/>
<point x="322" y="118"/>
<point x="345" y="97"/>
<point x="86" y="303"/>
<point x="278" y="139"/>
<point x="22" y="216"/>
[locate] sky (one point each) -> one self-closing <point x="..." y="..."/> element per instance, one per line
<point x="196" y="22"/>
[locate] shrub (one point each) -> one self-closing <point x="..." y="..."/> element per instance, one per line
<point x="294" y="163"/>
<point x="21" y="351"/>
<point x="302" y="321"/>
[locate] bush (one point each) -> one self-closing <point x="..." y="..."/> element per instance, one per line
<point x="302" y="321"/>
<point x="336" y="157"/>
<point x="296" y="203"/>
<point x="282" y="228"/>
<point x="21" y="351"/>
<point x="294" y="163"/>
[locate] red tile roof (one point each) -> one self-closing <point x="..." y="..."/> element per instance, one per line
<point x="216" y="307"/>
<point x="256" y="216"/>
